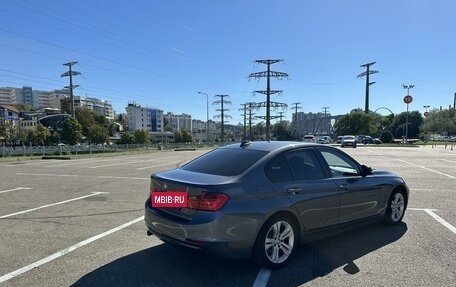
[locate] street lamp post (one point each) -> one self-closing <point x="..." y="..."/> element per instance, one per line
<point x="426" y="113"/>
<point x="207" y="116"/>
<point x="407" y="99"/>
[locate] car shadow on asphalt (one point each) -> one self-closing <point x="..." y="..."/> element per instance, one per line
<point x="320" y="258"/>
<point x="165" y="265"/>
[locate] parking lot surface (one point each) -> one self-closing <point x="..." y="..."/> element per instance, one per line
<point x="80" y="223"/>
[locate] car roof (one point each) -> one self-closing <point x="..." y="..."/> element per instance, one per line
<point x="269" y="145"/>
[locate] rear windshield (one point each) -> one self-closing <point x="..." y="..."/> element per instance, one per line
<point x="225" y="161"/>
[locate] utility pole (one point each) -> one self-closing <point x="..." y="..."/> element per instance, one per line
<point x="251" y="107"/>
<point x="244" y="115"/>
<point x="326" y="121"/>
<point x="367" y="73"/>
<point x="280" y="116"/>
<point x="295" y="119"/>
<point x="70" y="74"/>
<point x="454" y="102"/>
<point x="268" y="74"/>
<point x="222" y="111"/>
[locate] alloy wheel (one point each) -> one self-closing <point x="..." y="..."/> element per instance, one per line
<point x="279" y="242"/>
<point x="397" y="206"/>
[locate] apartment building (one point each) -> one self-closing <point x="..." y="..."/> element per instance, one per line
<point x="99" y="106"/>
<point x="150" y="119"/>
<point x="179" y="122"/>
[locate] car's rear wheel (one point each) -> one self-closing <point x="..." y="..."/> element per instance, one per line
<point x="396" y="209"/>
<point x="276" y="242"/>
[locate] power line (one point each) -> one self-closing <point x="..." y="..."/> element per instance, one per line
<point x="366" y="74"/>
<point x="70" y="74"/>
<point x="222" y="114"/>
<point x="268" y="74"/>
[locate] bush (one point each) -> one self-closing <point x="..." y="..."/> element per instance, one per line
<point x="386" y="136"/>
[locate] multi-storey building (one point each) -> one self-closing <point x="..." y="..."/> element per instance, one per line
<point x="144" y="118"/>
<point x="13" y="96"/>
<point x="50" y="99"/>
<point x="179" y="122"/>
<point x="311" y="123"/>
<point x="7" y="96"/>
<point x="101" y="107"/>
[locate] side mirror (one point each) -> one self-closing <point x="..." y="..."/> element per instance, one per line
<point x="366" y="170"/>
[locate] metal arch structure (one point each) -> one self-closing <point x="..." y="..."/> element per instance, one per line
<point x="384" y="108"/>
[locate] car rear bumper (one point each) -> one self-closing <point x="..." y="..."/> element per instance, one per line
<point x="219" y="234"/>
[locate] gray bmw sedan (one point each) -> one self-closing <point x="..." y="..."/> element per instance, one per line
<point x="261" y="199"/>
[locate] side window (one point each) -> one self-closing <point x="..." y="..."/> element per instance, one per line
<point x="279" y="171"/>
<point x="304" y="165"/>
<point x="340" y="164"/>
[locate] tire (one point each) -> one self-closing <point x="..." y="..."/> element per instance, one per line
<point x="276" y="242"/>
<point x="396" y="209"/>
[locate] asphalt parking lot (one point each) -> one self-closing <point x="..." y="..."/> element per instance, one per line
<point x="80" y="223"/>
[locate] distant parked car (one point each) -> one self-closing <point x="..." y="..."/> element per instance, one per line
<point x="309" y="139"/>
<point x="370" y="140"/>
<point x="339" y="139"/>
<point x="263" y="199"/>
<point x="324" y="139"/>
<point x="348" y="141"/>
<point x="376" y="141"/>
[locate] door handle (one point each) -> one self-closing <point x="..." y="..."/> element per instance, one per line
<point x="293" y="190"/>
<point x="343" y="186"/>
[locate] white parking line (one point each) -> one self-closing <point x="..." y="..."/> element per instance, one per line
<point x="431" y="212"/>
<point x="122" y="177"/>
<point x="47" y="174"/>
<point x="441" y="220"/>
<point x="420" y="209"/>
<point x="117" y="164"/>
<point x="65" y="251"/>
<point x="262" y="278"/>
<point x="52" y="204"/>
<point x="29" y="163"/>
<point x="80" y="161"/>
<point x="152" y="166"/>
<point x="14" y="189"/>
<point x="136" y="161"/>
<point x="423" y="167"/>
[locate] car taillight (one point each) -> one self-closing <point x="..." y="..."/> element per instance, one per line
<point x="208" y="201"/>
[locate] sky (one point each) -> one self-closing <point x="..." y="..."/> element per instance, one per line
<point x="161" y="54"/>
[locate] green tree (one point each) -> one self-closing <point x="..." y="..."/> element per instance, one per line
<point x="282" y="131"/>
<point x="183" y="136"/>
<point x="356" y="123"/>
<point x="127" y="138"/>
<point x="98" y="134"/>
<point x="386" y="136"/>
<point x="141" y="136"/>
<point x="40" y="136"/>
<point x="259" y="130"/>
<point x="415" y="119"/>
<point x="8" y="133"/>
<point x="65" y="105"/>
<point x="440" y="122"/>
<point x="178" y="137"/>
<point x="72" y="131"/>
<point x="88" y="118"/>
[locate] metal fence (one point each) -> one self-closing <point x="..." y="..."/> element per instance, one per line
<point x="62" y="150"/>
